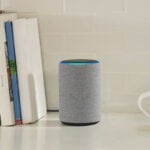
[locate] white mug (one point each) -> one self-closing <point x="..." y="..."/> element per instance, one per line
<point x="140" y="101"/>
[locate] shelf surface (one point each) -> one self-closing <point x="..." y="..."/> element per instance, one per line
<point x="114" y="132"/>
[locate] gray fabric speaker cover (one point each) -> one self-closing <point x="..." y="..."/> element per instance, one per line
<point x="79" y="91"/>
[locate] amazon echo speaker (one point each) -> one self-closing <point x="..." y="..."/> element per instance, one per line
<point x="79" y="92"/>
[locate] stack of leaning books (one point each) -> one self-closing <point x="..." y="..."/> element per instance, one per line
<point x="22" y="91"/>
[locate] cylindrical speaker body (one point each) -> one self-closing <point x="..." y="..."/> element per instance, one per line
<point x="79" y="92"/>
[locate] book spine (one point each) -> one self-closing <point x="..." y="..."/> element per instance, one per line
<point x="13" y="71"/>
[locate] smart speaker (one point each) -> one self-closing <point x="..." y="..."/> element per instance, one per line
<point x="79" y="92"/>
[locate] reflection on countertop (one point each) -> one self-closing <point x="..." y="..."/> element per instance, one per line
<point x="115" y="131"/>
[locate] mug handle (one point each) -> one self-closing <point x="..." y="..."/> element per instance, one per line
<point x="140" y="101"/>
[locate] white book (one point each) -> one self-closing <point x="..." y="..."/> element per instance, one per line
<point x="30" y="71"/>
<point x="6" y="104"/>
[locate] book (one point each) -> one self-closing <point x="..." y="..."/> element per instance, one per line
<point x="30" y="70"/>
<point x="13" y="71"/>
<point x="6" y="100"/>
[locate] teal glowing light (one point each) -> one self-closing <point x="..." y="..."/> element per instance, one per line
<point x="79" y="62"/>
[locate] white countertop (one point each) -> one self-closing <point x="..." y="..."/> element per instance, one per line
<point x="115" y="132"/>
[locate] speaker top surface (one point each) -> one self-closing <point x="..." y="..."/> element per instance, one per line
<point x="79" y="62"/>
